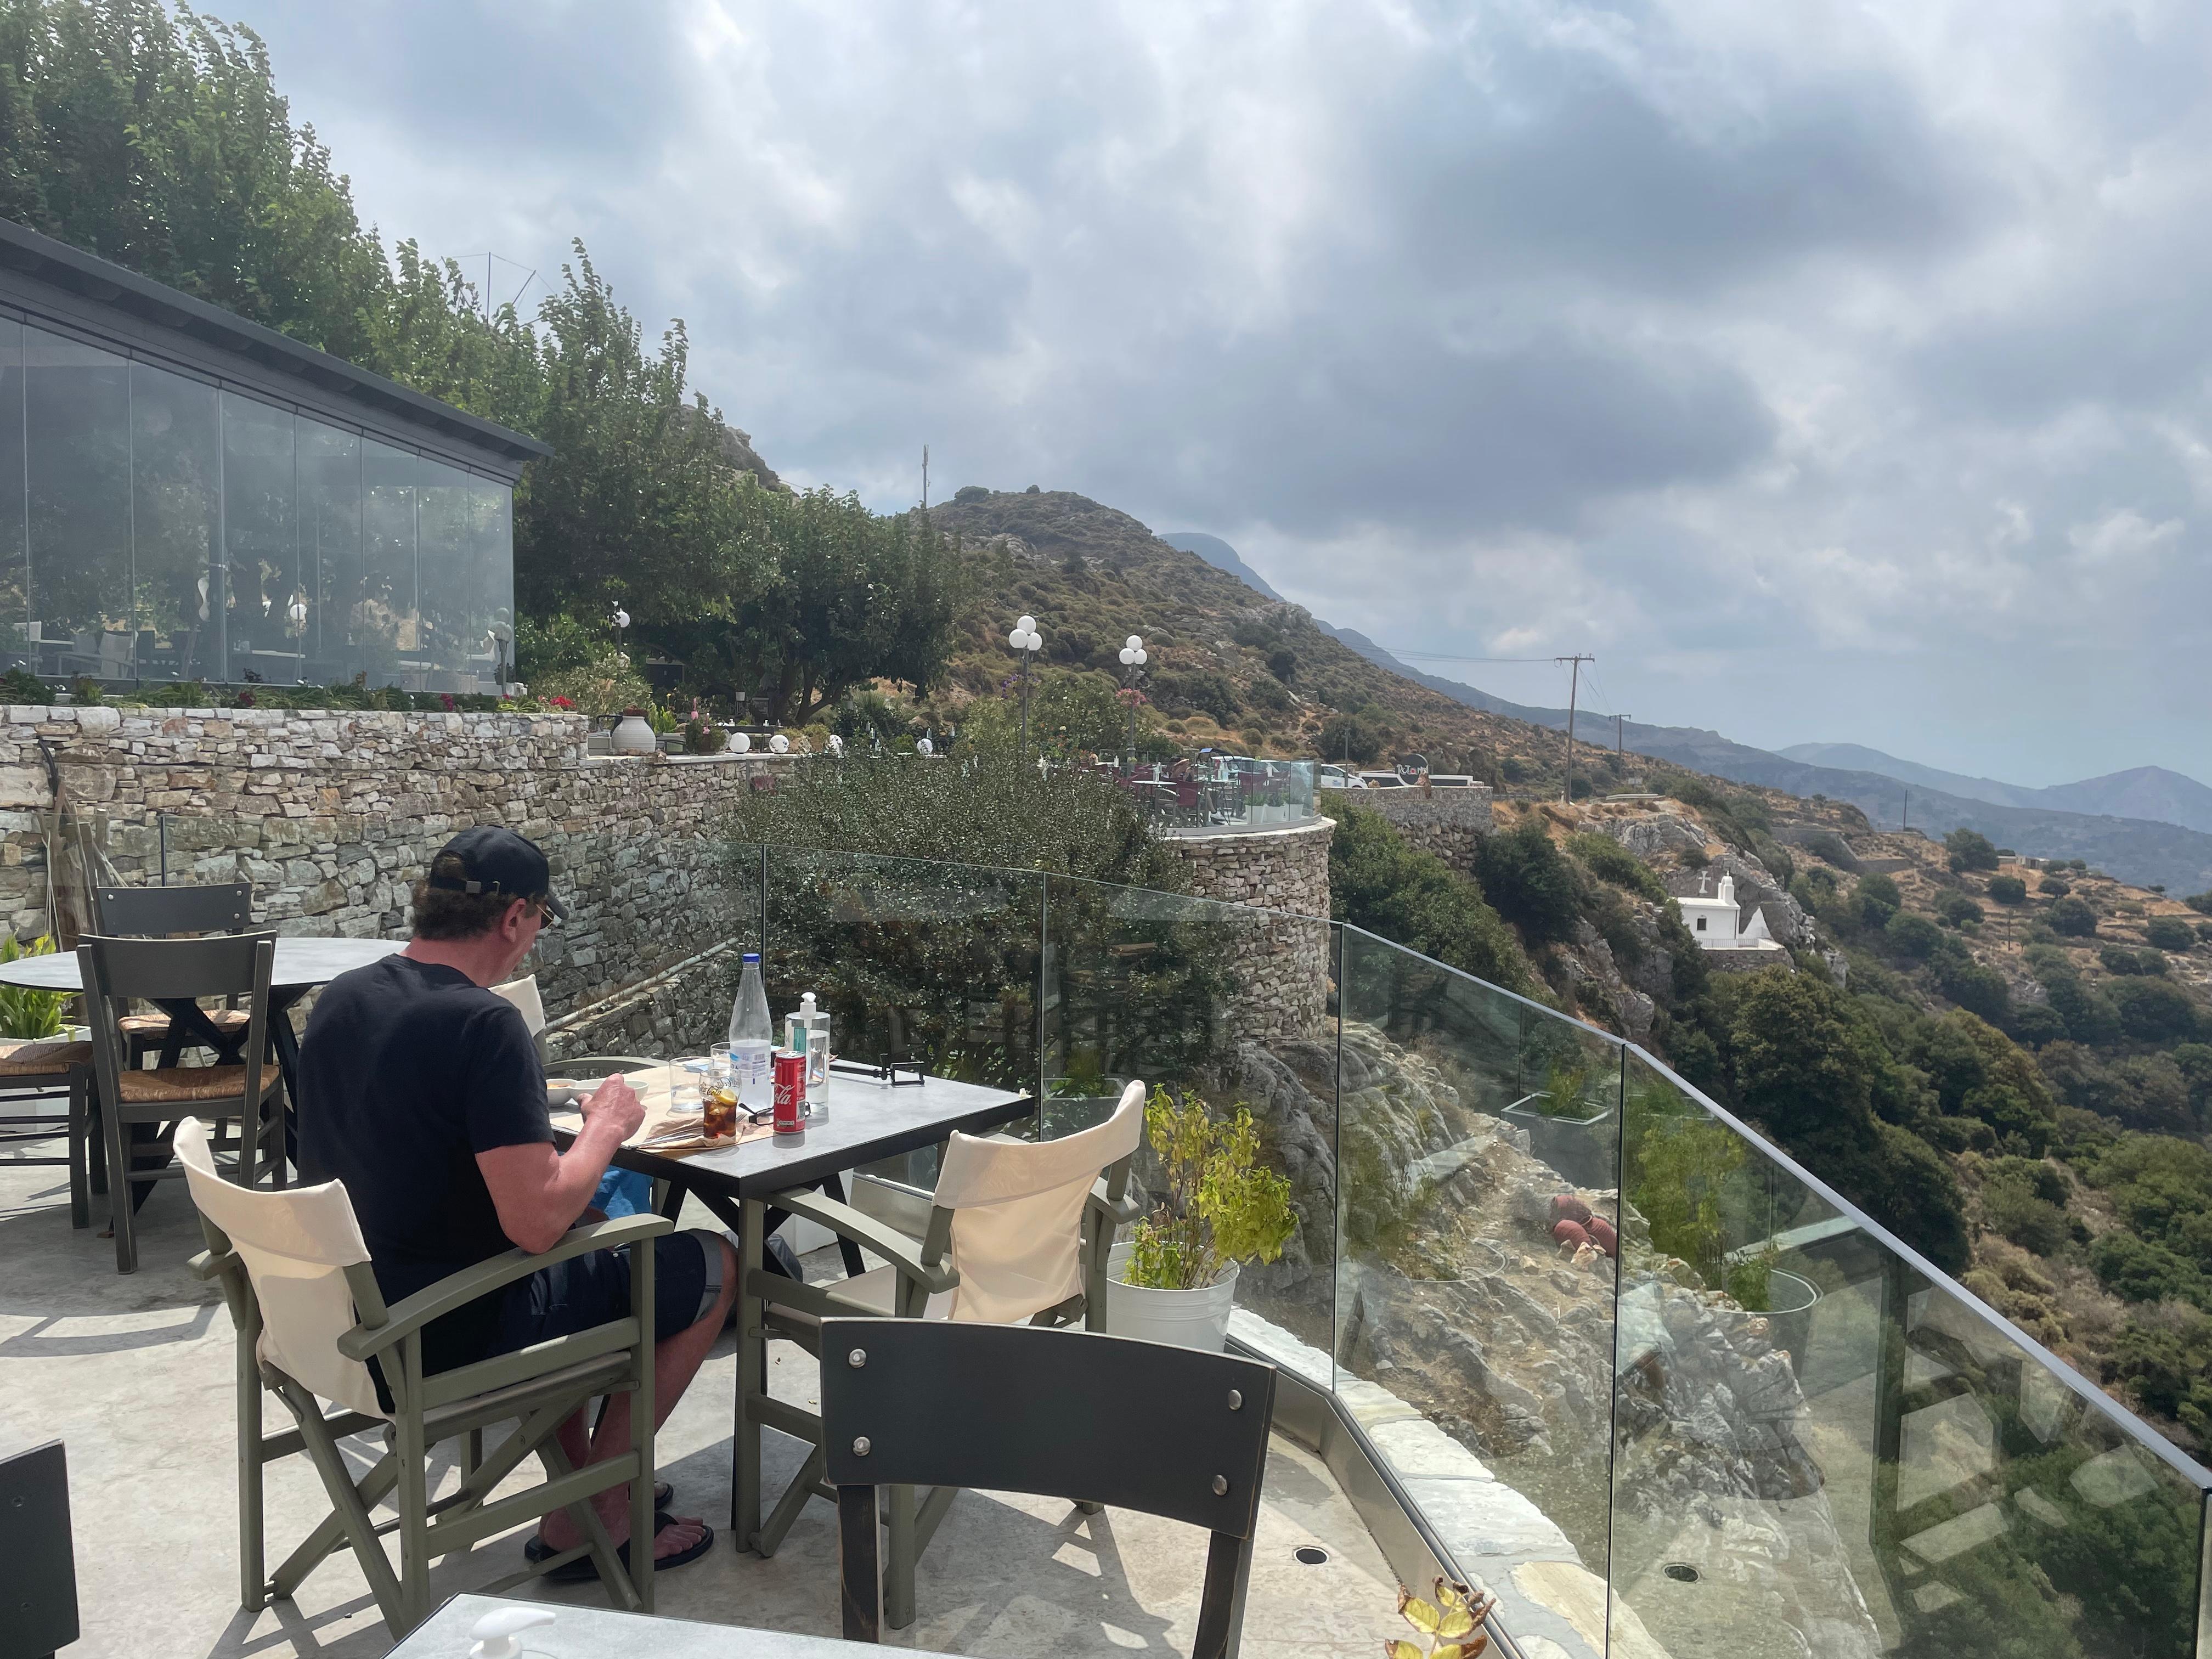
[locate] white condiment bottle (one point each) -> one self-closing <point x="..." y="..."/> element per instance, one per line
<point x="814" y="1022"/>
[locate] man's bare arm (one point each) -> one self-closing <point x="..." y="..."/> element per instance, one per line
<point x="539" y="1192"/>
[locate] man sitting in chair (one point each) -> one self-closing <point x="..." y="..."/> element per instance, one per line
<point x="420" y="1090"/>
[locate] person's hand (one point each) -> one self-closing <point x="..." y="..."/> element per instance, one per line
<point x="614" y="1101"/>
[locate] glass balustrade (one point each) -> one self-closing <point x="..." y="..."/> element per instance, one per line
<point x="1619" y="1354"/>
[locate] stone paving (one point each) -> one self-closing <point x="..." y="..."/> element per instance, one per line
<point x="134" y="1375"/>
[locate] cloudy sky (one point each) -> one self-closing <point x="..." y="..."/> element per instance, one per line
<point x="1830" y="372"/>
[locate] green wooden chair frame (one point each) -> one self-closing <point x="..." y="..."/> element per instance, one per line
<point x="538" y="1388"/>
<point x="922" y="1271"/>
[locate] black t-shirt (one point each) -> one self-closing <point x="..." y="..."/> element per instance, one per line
<point x="408" y="1071"/>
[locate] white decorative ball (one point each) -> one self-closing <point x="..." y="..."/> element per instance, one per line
<point x="742" y="743"/>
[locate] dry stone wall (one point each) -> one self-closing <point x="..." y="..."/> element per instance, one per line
<point x="1449" y="822"/>
<point x="1283" y="959"/>
<point x="332" y="815"/>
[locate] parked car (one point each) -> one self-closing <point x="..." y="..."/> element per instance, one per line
<point x="1336" y="777"/>
<point x="1451" y="781"/>
<point x="1382" y="780"/>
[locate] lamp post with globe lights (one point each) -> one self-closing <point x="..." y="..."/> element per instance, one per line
<point x="1027" y="641"/>
<point x="621" y="620"/>
<point x="1133" y="662"/>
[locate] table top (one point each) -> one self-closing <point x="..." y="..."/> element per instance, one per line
<point x="867" y="1121"/>
<point x="300" y="962"/>
<point x="594" y="1632"/>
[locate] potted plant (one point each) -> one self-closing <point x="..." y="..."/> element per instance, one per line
<point x="1564" y="1120"/>
<point x="1176" y="1280"/>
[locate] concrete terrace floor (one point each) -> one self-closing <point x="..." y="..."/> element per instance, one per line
<point x="135" y="1376"/>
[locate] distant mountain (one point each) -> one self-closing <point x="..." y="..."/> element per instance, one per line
<point x="1221" y="556"/>
<point x="1857" y="757"/>
<point x="2142" y="791"/>
<point x="2039" y="822"/>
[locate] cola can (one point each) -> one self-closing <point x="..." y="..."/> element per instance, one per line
<point x="790" y="1069"/>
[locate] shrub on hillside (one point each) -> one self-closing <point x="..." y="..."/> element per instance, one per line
<point x="2008" y="889"/>
<point x="2154" y="1010"/>
<point x="2037" y="1024"/>
<point x="2170" y="934"/>
<point x="2073" y="917"/>
<point x="1956" y="910"/>
<point x="1529" y="883"/>
<point x="2029" y="1221"/>
<point x="1827" y="844"/>
<point x="987" y="810"/>
<point x="1380" y="881"/>
<point x="2199" y="903"/>
<point x="1969" y="849"/>
<point x="2123" y="959"/>
<point x="2055" y="886"/>
<point x="1875" y="899"/>
<point x="1609" y="860"/>
<point x="2164" y="1356"/>
<point x="1911" y="934"/>
<point x="2137" y="1270"/>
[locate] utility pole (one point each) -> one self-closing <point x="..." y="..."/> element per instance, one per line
<point x="1904" y="819"/>
<point x="1619" y="742"/>
<point x="1574" y="685"/>
<point x="924" y="478"/>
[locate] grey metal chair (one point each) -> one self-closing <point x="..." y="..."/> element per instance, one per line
<point x="311" y="1321"/>
<point x="248" y="1097"/>
<point x="1017" y="1231"/>
<point x="1139" y="1425"/>
<point x="174" y="913"/>
<point x="41" y="1616"/>
<point x="36" y="1077"/>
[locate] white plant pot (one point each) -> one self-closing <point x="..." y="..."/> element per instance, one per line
<point x="633" y="736"/>
<point x="1185" y="1319"/>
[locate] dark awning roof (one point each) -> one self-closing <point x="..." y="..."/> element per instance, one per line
<point x="173" y="324"/>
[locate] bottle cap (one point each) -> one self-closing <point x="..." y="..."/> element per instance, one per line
<point x="752" y="955"/>
<point x="495" y="1633"/>
<point x="806" y="1002"/>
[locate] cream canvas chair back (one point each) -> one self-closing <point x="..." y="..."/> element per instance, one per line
<point x="297" y="1245"/>
<point x="1018" y="1212"/>
<point x="522" y="993"/>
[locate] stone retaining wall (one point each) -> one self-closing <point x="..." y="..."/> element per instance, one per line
<point x="1283" y="964"/>
<point x="1449" y="822"/>
<point x="332" y="814"/>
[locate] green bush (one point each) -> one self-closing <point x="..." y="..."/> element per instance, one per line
<point x="2170" y="934"/>
<point x="1875" y="899"/>
<point x="2137" y="1270"/>
<point x="2055" y="886"/>
<point x="1528" y="881"/>
<point x="1609" y="860"/>
<point x="2073" y="917"/>
<point x="2008" y="889"/>
<point x="1380" y="881"/>
<point x="1969" y="849"/>
<point x="28" y="1015"/>
<point x="988" y="810"/>
<point x="1913" y="935"/>
<point x="2032" y="1223"/>
<point x="604" y="687"/>
<point x="1956" y="910"/>
<point x="2037" y="1024"/>
<point x="2121" y="959"/>
<point x="2199" y="903"/>
<point x="2154" y="1010"/>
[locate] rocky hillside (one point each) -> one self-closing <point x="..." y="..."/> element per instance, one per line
<point x="1230" y="667"/>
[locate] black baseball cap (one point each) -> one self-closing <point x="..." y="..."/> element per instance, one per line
<point x="492" y="859"/>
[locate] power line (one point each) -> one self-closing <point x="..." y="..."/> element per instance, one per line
<point x="1440" y="656"/>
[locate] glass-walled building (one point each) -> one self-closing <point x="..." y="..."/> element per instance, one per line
<point x="185" y="495"/>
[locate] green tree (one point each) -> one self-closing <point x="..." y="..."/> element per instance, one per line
<point x="1874" y="899"/>
<point x="2008" y="889"/>
<point x="1528" y="882"/>
<point x="1969" y="849"/>
<point x="2169" y="933"/>
<point x="1380" y="881"/>
<point x="2072" y="915"/>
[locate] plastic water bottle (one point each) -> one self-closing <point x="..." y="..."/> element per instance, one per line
<point x="752" y="1038"/>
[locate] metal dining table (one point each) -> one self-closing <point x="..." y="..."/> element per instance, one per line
<point x="300" y="966"/>
<point x="868" y="1121"/>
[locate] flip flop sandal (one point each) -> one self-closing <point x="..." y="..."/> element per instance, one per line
<point x="585" y="1571"/>
<point x="664" y="1494"/>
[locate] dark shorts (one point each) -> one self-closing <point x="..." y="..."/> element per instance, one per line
<point x="570" y="1296"/>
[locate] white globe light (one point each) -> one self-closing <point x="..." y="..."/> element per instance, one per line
<point x="1141" y="658"/>
<point x="837" y="744"/>
<point x="925" y="747"/>
<point x="1128" y="656"/>
<point x="622" y="617"/>
<point x="742" y="743"/>
<point x="780" y="745"/>
<point x="1027" y="624"/>
<point x="1016" y="639"/>
<point x="1133" y="642"/>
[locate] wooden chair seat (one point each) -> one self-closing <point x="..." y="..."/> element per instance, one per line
<point x="156" y="1026"/>
<point x="190" y="1082"/>
<point x="48" y="1057"/>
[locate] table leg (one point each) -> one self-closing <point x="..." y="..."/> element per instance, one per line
<point x="751" y="1380"/>
<point x="286" y="1042"/>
